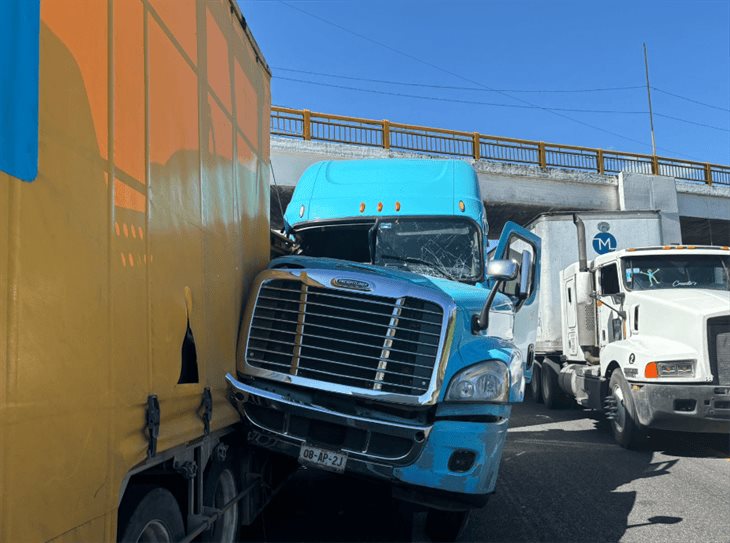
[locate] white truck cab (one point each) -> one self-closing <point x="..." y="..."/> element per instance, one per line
<point x="645" y="336"/>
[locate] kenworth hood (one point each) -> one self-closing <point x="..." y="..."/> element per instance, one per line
<point x="690" y="301"/>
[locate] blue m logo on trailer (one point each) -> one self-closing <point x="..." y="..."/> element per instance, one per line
<point x="604" y="242"/>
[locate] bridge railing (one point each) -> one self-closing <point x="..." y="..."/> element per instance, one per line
<point x="307" y="125"/>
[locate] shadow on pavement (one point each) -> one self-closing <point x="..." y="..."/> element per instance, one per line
<point x="560" y="480"/>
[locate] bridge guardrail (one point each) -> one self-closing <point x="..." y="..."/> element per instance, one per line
<point x="308" y="125"/>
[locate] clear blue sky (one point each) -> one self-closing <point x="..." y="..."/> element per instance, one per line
<point x="518" y="45"/>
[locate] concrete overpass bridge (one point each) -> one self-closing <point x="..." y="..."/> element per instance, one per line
<point x="519" y="178"/>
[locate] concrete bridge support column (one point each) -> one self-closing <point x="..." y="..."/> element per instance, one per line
<point x="640" y="192"/>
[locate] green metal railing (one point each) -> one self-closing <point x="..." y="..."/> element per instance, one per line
<point x="304" y="124"/>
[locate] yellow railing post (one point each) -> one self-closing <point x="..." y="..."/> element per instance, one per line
<point x="386" y="134"/>
<point x="306" y="124"/>
<point x="708" y="174"/>
<point x="541" y="154"/>
<point x="600" y="166"/>
<point x="655" y="165"/>
<point x="475" y="143"/>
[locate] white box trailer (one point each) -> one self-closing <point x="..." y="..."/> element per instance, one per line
<point x="632" y="327"/>
<point x="606" y="231"/>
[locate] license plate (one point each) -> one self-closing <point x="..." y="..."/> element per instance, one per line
<point x="322" y="458"/>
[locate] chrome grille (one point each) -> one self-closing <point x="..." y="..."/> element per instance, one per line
<point x="348" y="338"/>
<point x="718" y="337"/>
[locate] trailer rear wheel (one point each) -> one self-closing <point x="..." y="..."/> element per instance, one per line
<point x="219" y="489"/>
<point x="552" y="396"/>
<point x="445" y="525"/>
<point x="536" y="383"/>
<point x="150" y="513"/>
<point x="625" y="425"/>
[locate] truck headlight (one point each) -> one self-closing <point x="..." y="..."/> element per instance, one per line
<point x="670" y="368"/>
<point x="484" y="382"/>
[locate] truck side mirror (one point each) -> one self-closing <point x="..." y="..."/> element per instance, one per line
<point x="525" y="276"/>
<point x="499" y="271"/>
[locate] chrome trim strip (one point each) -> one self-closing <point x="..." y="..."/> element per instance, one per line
<point x="387" y="344"/>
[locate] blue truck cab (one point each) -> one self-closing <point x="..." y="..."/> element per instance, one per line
<point x="370" y="351"/>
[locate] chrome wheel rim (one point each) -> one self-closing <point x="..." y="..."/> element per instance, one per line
<point x="619" y="420"/>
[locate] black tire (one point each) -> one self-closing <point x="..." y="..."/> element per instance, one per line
<point x="150" y="513"/>
<point x="625" y="426"/>
<point x="536" y="383"/>
<point x="552" y="396"/>
<point x="220" y="486"/>
<point x="445" y="525"/>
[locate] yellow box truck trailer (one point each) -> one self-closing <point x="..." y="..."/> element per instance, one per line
<point x="134" y="170"/>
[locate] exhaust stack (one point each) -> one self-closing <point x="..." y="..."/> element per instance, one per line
<point x="581" y="228"/>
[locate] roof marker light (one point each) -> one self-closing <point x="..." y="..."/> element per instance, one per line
<point x="301" y="211"/>
<point x="380" y="206"/>
<point x="362" y="207"/>
<point x="462" y="207"/>
<point x="397" y="206"/>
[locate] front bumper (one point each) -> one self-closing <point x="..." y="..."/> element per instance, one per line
<point x="410" y="455"/>
<point x="685" y="408"/>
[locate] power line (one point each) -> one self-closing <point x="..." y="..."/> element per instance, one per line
<point x="691" y="122"/>
<point x="457" y="100"/>
<point x="468" y="80"/>
<point x="690" y="99"/>
<point x="452" y="87"/>
<point x="492" y="104"/>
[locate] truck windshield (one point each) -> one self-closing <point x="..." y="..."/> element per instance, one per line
<point x="673" y="271"/>
<point x="441" y="247"/>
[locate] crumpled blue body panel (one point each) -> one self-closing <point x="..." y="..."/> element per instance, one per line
<point x="485" y="440"/>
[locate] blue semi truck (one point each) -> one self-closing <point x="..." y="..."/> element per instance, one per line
<point x="386" y="345"/>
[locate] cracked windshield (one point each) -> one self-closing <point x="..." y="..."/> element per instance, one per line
<point x="661" y="272"/>
<point x="445" y="248"/>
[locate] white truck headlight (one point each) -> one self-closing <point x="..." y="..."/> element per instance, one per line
<point x="484" y="382"/>
<point x="670" y="368"/>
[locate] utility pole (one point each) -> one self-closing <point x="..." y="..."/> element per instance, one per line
<point x="648" y="94"/>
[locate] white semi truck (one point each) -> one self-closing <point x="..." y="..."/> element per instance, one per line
<point x="640" y="331"/>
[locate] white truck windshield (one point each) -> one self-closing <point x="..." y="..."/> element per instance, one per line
<point x="652" y="272"/>
<point x="441" y="247"/>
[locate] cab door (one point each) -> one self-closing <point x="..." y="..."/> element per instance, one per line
<point x="524" y="247"/>
<point x="610" y="325"/>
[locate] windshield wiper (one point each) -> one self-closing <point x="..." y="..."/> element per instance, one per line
<point x="414" y="260"/>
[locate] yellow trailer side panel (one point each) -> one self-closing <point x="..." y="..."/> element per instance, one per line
<point x="147" y="221"/>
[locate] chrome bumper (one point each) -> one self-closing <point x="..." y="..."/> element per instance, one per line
<point x="281" y="422"/>
<point x="685" y="408"/>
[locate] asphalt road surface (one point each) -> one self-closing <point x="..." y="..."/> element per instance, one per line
<point x="562" y="479"/>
